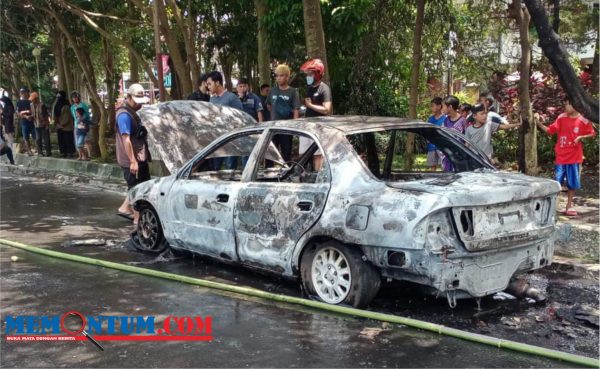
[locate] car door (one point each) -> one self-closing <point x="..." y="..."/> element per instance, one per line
<point x="202" y="201"/>
<point x="272" y="211"/>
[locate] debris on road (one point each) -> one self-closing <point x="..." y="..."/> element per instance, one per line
<point x="88" y="242"/>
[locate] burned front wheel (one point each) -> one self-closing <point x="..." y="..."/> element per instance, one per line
<point x="148" y="236"/>
<point x="337" y="274"/>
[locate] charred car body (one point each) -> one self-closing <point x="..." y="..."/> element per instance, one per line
<point x="367" y="213"/>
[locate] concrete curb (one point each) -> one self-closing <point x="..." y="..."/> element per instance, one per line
<point x="101" y="175"/>
<point x="589" y="271"/>
<point x="108" y="172"/>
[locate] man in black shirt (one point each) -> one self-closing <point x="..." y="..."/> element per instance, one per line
<point x="264" y="93"/>
<point x="318" y="99"/>
<point x="201" y="94"/>
<point x="26" y="118"/>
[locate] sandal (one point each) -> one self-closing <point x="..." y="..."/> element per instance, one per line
<point x="570" y="213"/>
<point x="128" y="216"/>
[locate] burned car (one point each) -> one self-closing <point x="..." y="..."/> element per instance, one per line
<point x="366" y="214"/>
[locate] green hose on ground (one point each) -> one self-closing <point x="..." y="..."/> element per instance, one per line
<point x="440" y="329"/>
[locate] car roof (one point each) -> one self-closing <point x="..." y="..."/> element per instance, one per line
<point x="347" y="124"/>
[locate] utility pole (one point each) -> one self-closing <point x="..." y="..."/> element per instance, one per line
<point x="37" y="52"/>
<point x="159" y="66"/>
<point x="452" y="39"/>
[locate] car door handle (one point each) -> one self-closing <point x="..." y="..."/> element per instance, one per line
<point x="305" y="205"/>
<point x="222" y="197"/>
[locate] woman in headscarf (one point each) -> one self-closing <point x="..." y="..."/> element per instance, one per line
<point x="61" y="114"/>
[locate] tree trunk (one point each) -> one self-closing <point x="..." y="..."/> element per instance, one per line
<point x="185" y="26"/>
<point x="556" y="16"/>
<point x="134" y="66"/>
<point x="558" y="57"/>
<point x="595" y="65"/>
<point x="67" y="63"/>
<point x="264" y="63"/>
<point x="313" y="32"/>
<point x="414" y="82"/>
<point x="109" y="122"/>
<point x="100" y="112"/>
<point x="528" y="131"/>
<point x="58" y="57"/>
<point x="182" y="71"/>
<point x="227" y="65"/>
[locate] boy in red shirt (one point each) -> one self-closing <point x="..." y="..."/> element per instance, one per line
<point x="571" y="128"/>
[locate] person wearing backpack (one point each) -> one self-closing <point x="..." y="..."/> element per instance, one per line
<point x="283" y="102"/>
<point x="133" y="155"/>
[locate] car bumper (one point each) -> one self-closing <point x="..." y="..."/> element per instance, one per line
<point x="465" y="274"/>
<point x="485" y="273"/>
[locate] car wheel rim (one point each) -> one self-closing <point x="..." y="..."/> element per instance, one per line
<point x="331" y="275"/>
<point x="148" y="231"/>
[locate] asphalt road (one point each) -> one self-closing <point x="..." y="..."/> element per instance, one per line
<point x="247" y="332"/>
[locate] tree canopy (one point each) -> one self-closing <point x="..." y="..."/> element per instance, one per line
<point x="369" y="44"/>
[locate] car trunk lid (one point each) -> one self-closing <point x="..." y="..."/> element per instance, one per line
<point x="493" y="209"/>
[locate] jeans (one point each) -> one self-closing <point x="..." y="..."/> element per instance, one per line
<point x="27" y="129"/>
<point x="43" y="136"/>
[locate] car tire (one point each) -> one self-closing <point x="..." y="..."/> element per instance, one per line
<point x="339" y="274"/>
<point x="148" y="236"/>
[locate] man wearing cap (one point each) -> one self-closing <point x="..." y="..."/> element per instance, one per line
<point x="132" y="148"/>
<point x="26" y="118"/>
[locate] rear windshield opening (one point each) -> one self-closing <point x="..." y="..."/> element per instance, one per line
<point x="384" y="153"/>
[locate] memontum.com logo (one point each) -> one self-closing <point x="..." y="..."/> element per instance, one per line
<point x="74" y="326"/>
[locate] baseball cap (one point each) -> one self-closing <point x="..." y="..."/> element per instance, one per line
<point x="136" y="91"/>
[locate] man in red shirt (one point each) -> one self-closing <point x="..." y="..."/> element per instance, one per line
<point x="571" y="128"/>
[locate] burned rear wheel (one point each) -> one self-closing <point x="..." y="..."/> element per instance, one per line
<point x="337" y="274"/>
<point x="148" y="236"/>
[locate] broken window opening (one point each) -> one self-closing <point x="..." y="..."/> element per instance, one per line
<point x="383" y="152"/>
<point x="228" y="161"/>
<point x="290" y="158"/>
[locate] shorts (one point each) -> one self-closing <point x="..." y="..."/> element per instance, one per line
<point x="80" y="142"/>
<point x="570" y="172"/>
<point x="132" y="180"/>
<point x="433" y="158"/>
<point x="27" y="129"/>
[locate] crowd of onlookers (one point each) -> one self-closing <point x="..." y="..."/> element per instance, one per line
<point x="281" y="101"/>
<point x="71" y="119"/>
<point x="478" y="123"/>
<point x="278" y="102"/>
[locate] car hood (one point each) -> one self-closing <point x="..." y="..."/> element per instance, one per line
<point x="483" y="187"/>
<point x="177" y="130"/>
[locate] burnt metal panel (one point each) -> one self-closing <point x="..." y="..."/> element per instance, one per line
<point x="357" y="217"/>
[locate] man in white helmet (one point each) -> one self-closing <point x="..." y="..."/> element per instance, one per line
<point x="132" y="148"/>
